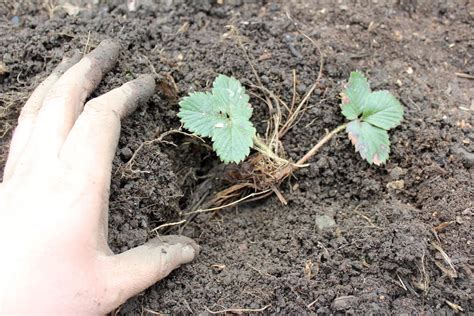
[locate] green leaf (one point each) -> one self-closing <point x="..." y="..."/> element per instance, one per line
<point x="383" y="110"/>
<point x="200" y="113"/>
<point x="371" y="142"/>
<point x="372" y="114"/>
<point x="224" y="115"/>
<point x="231" y="97"/>
<point x="232" y="143"/>
<point x="354" y="95"/>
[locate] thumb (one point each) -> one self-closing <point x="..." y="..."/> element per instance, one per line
<point x="133" y="271"/>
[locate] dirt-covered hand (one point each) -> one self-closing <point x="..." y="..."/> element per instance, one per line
<point x="54" y="199"/>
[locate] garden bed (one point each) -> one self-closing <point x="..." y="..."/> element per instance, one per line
<point x="353" y="237"/>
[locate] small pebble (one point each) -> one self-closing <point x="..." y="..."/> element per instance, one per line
<point x="3" y="69"/>
<point x="396" y="185"/>
<point x="466" y="156"/>
<point x="396" y="173"/>
<point x="324" y="222"/>
<point x="15" y="20"/>
<point x="265" y="79"/>
<point x="344" y="302"/>
<point x="125" y="154"/>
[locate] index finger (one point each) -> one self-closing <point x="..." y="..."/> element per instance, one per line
<point x="64" y="102"/>
<point x="90" y="146"/>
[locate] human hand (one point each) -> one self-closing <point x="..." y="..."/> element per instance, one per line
<point x="54" y="199"/>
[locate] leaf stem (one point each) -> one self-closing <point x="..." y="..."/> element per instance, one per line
<point x="258" y="143"/>
<point x="263" y="148"/>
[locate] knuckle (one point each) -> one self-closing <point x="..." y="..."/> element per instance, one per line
<point x="60" y="91"/>
<point x="163" y="267"/>
<point x="98" y="108"/>
<point x="28" y="113"/>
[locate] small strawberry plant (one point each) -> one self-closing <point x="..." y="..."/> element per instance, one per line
<point x="224" y="116"/>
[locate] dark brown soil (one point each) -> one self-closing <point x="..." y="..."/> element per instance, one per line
<point x="377" y="254"/>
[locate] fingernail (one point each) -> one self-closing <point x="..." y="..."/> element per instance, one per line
<point x="66" y="63"/>
<point x="188" y="253"/>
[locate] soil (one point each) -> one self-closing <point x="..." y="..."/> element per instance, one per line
<point x="353" y="238"/>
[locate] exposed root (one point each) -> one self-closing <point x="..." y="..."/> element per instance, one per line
<point x="168" y="225"/>
<point x="129" y="165"/>
<point x="263" y="172"/>
<point x="230" y="204"/>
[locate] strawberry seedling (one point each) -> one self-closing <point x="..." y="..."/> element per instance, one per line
<point x="224" y="115"/>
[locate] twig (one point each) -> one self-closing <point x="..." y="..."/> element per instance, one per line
<point x="443" y="225"/>
<point x="321" y="57"/>
<point x="86" y="47"/>
<point x="255" y="73"/>
<point x="238" y="310"/>
<point x="293" y="99"/>
<point x="279" y="195"/>
<point x="312" y="303"/>
<point x="274" y="111"/>
<point x="402" y="283"/>
<point x="463" y="75"/>
<point x="424" y="282"/>
<point x="144" y="309"/>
